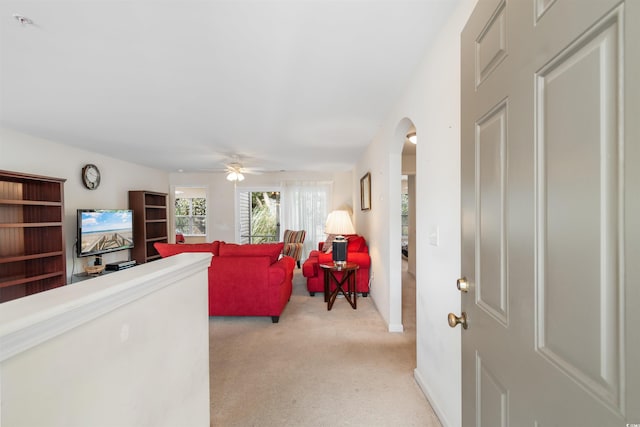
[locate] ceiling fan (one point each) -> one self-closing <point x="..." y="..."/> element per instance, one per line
<point x="236" y="171"/>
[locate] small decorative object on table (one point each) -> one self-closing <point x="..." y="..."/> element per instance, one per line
<point x="94" y="269"/>
<point x="339" y="223"/>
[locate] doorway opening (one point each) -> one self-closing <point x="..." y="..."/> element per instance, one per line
<point x="408" y="230"/>
<point x="190" y="214"/>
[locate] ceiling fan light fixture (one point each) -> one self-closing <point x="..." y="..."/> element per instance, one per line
<point x="412" y="137"/>
<point x="235" y="176"/>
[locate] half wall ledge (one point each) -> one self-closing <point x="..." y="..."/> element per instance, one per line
<point x="133" y="340"/>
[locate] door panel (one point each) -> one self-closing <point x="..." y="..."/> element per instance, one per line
<point x="491" y="46"/>
<point x="578" y="194"/>
<point x="490" y="149"/>
<point x="492" y="397"/>
<point x="548" y="193"/>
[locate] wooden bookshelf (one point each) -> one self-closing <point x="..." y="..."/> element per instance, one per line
<point x="150" y="223"/>
<point x="32" y="243"/>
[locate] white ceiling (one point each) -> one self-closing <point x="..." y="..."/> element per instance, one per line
<point x="185" y="84"/>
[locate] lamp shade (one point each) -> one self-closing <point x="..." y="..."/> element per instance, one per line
<point x="339" y="222"/>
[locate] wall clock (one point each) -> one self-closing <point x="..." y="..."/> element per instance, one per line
<point x="91" y="176"/>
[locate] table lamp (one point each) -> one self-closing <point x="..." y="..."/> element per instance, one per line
<point x="339" y="223"/>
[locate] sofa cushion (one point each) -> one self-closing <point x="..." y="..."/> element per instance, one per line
<point x="356" y="244"/>
<point x="272" y="250"/>
<point x="169" y="249"/>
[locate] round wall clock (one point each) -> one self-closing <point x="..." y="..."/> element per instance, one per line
<point x="91" y="176"/>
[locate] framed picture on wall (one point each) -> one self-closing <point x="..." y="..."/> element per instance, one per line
<point x="365" y="192"/>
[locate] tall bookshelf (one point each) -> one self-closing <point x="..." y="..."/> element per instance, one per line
<point x="150" y="223"/>
<point x="32" y="242"/>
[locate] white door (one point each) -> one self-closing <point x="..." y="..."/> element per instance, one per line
<point x="551" y="213"/>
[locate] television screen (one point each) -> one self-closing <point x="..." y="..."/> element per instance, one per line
<point x="104" y="230"/>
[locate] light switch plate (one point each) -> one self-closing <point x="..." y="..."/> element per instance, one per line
<point x="434" y="236"/>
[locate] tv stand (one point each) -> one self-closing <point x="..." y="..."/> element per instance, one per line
<point x="120" y="265"/>
<point x="109" y="268"/>
<point x="80" y="277"/>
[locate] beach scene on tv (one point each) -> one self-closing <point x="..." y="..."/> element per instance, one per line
<point x="107" y="230"/>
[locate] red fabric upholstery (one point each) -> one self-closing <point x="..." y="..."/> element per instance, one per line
<point x="357" y="252"/>
<point x="272" y="250"/>
<point x="244" y="280"/>
<point x="168" y="249"/>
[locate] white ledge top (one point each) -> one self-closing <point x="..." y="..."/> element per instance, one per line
<point x="31" y="320"/>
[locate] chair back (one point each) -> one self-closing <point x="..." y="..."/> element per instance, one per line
<point x="293" y="244"/>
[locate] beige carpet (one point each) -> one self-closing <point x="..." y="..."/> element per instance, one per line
<point x="316" y="367"/>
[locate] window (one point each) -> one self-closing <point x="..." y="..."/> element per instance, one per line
<point x="405" y="216"/>
<point x="259" y="216"/>
<point x="404" y="209"/>
<point x="191" y="216"/>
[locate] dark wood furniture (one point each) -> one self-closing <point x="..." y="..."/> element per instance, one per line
<point x="340" y="275"/>
<point x="32" y="241"/>
<point x="150" y="224"/>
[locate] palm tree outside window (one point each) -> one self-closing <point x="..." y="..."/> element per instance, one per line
<point x="259" y="216"/>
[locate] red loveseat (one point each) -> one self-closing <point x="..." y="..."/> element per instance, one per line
<point x="244" y="280"/>
<point x="357" y="252"/>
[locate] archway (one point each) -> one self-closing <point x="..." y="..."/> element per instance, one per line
<point x="406" y="153"/>
<point x="408" y="231"/>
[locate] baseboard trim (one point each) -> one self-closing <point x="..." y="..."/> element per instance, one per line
<point x="396" y="327"/>
<point x="444" y="421"/>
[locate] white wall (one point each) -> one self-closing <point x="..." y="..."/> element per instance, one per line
<point x="23" y="153"/>
<point x="221" y="194"/>
<point x="95" y="353"/>
<point x="432" y="103"/>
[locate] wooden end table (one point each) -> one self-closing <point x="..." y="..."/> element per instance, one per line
<point x="348" y="277"/>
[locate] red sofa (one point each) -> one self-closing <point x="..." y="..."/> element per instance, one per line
<point x="357" y="252"/>
<point x="244" y="280"/>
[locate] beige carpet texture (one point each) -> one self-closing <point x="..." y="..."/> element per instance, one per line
<point x="317" y="367"/>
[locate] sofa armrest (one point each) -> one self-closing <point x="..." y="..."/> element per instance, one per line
<point x="361" y="258"/>
<point x="286" y="262"/>
<point x="279" y="270"/>
<point x="314" y="254"/>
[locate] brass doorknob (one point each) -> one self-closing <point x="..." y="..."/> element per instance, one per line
<point x="462" y="284"/>
<point x="455" y="320"/>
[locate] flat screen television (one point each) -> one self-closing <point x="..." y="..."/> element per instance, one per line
<point x="104" y="230"/>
